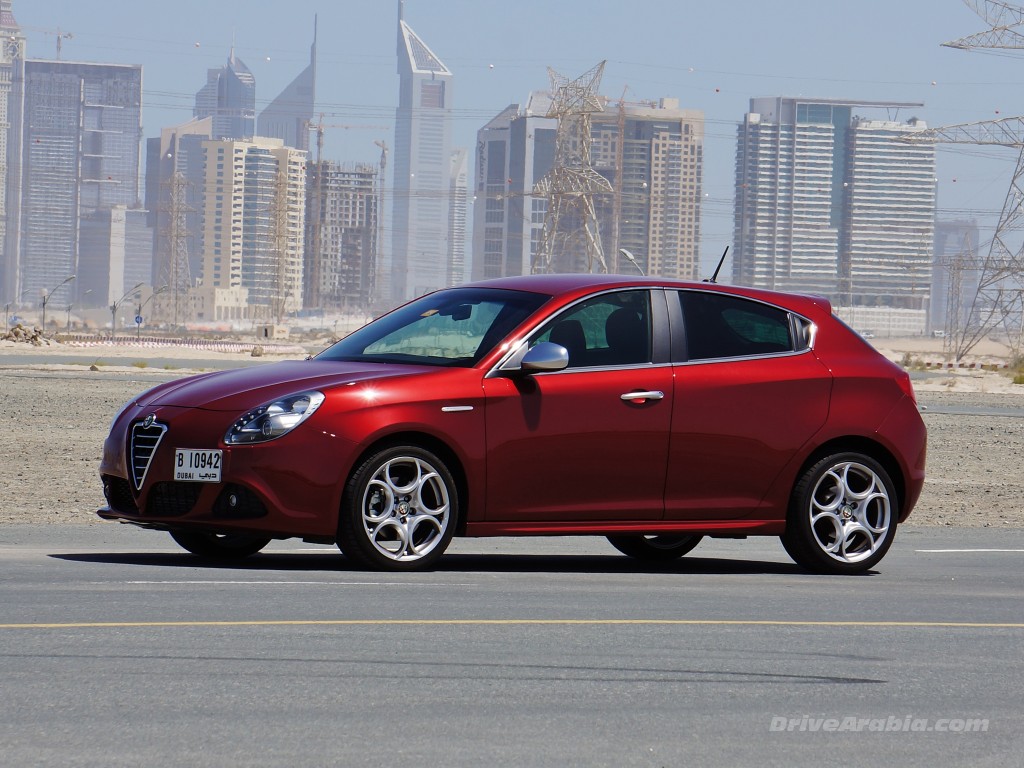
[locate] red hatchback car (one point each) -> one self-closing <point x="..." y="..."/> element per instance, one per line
<point x="648" y="411"/>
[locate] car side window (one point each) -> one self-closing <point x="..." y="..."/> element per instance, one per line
<point x="608" y="330"/>
<point x="718" y="325"/>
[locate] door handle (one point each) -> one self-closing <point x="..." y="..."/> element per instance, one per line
<point x="642" y="397"/>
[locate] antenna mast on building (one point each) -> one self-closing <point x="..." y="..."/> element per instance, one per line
<point x="176" y="275"/>
<point x="572" y="183"/>
<point x="1000" y="297"/>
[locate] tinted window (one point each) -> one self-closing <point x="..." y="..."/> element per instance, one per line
<point x="456" y="327"/>
<point x="718" y="325"/>
<point x="611" y="329"/>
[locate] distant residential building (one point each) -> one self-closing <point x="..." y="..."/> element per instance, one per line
<point x="421" y="221"/>
<point x="513" y="152"/>
<point x="12" y="74"/>
<point x="79" y="156"/>
<point x="229" y="97"/>
<point x="254" y="197"/>
<point x="833" y="203"/>
<point x="341" y="236"/>
<point x="651" y="153"/>
<point x="288" y="117"/>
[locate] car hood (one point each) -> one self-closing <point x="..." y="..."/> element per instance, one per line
<point x="244" y="388"/>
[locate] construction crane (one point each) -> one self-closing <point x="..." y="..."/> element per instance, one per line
<point x="58" y="33"/>
<point x="999" y="301"/>
<point x="320" y="126"/>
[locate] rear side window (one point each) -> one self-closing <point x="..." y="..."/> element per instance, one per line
<point x="718" y="325"/>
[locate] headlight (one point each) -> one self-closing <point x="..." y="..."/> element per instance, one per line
<point x="272" y="420"/>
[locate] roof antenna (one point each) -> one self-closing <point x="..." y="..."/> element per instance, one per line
<point x="721" y="261"/>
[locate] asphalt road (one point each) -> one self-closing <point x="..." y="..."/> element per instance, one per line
<point x="118" y="650"/>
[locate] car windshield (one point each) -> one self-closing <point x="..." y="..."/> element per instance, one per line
<point x="456" y="327"/>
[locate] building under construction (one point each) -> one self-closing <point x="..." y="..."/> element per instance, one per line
<point x="341" y="236"/>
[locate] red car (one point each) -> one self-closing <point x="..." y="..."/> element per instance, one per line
<point x="648" y="411"/>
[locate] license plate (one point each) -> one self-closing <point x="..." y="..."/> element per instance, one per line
<point x="197" y="466"/>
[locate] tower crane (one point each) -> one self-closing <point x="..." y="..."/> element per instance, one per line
<point x="59" y="34"/>
<point x="1000" y="297"/>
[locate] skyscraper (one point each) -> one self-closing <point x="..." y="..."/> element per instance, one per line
<point x="288" y="117"/>
<point x="12" y="73"/>
<point x="229" y="97"/>
<point x="833" y="203"/>
<point x="422" y="162"/>
<point x="80" y="155"/>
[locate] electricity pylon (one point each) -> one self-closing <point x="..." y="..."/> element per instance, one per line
<point x="1000" y="298"/>
<point x="572" y="183"/>
<point x="176" y="274"/>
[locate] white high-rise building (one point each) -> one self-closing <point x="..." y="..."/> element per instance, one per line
<point x="833" y="203"/>
<point x="421" y="222"/>
<point x="254" y="198"/>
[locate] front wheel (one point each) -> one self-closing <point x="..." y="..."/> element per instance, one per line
<point x="399" y="510"/>
<point x="654" y="548"/>
<point x="842" y="516"/>
<point x="230" y="546"/>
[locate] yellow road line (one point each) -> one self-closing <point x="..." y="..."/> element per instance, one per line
<point x="517" y="622"/>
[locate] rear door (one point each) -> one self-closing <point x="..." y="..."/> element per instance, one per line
<point x="748" y="395"/>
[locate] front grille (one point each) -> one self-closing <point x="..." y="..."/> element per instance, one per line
<point x="119" y="495"/>
<point x="144" y="442"/>
<point x="172" y="499"/>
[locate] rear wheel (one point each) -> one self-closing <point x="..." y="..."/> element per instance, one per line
<point x="654" y="548"/>
<point x="842" y="516"/>
<point x="225" y="545"/>
<point x="399" y="510"/>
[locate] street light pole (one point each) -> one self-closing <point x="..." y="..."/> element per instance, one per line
<point x="46" y="298"/>
<point x="138" y="314"/>
<point x="113" y="310"/>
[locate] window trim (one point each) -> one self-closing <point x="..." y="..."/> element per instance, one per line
<point x="660" y="328"/>
<point x="680" y="354"/>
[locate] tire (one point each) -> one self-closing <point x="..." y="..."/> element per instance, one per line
<point x="227" y="546"/>
<point x="659" y="549"/>
<point x="842" y="515"/>
<point x="399" y="510"/>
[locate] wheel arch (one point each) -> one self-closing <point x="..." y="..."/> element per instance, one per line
<point x="430" y="443"/>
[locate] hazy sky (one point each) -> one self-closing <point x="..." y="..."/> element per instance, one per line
<point x="713" y="55"/>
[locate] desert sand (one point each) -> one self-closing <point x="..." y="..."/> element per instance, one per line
<point x="57" y="415"/>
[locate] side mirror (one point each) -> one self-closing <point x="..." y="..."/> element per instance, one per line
<point x="545" y="357"/>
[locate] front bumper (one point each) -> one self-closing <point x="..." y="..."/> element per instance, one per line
<point x="286" y="487"/>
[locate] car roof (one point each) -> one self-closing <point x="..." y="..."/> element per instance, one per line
<point x="574" y="284"/>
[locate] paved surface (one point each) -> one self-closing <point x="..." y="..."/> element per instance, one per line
<point x="118" y="650"/>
